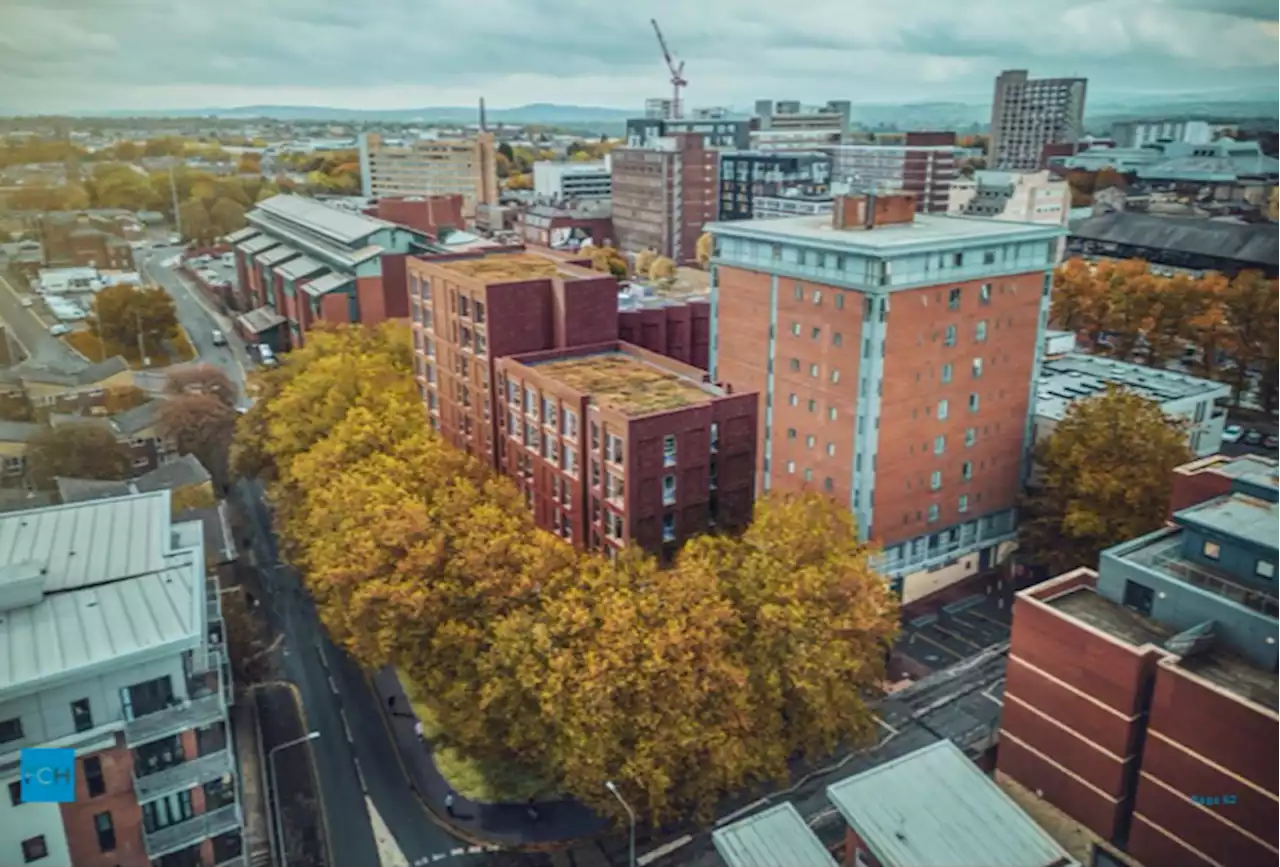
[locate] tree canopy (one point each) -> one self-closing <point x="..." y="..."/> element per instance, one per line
<point x="1106" y="474"/>
<point x="123" y="312"/>
<point x="201" y="379"/>
<point x="542" y="656"/>
<point x="610" y="261"/>
<point x="705" y="249"/>
<point x="200" y="425"/>
<point x="83" y="450"/>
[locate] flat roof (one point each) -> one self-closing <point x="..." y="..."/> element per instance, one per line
<point x="626" y="383"/>
<point x="1239" y="516"/>
<point x="935" y="808"/>
<point x="1237" y="676"/>
<point x="1077" y="375"/>
<point x="241" y="235"/>
<point x="1259" y="470"/>
<point x="504" y="268"/>
<point x="1088" y="606"/>
<point x="257" y="244"/>
<point x="931" y="230"/>
<point x="326" y="283"/>
<point x="774" y="837"/>
<point x="302" y="266"/>
<point x="89" y="543"/>
<point x="343" y="226"/>
<point x="276" y="255"/>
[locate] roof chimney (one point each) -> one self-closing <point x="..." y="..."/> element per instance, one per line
<point x="484" y="127"/>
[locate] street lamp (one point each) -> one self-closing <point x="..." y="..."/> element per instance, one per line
<point x="275" y="791"/>
<point x="631" y="813"/>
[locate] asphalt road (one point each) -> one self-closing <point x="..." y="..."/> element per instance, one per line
<point x="41" y="346"/>
<point x="198" y="316"/>
<point x="354" y="744"/>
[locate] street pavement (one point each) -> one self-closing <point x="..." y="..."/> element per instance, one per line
<point x="354" y="753"/>
<point x="198" y="316"/>
<point x="41" y="347"/>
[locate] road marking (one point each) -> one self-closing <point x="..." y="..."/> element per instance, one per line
<point x="345" y="728"/>
<point x="457" y="851"/>
<point x="888" y="727"/>
<point x="333" y="687"/>
<point x="364" y="787"/>
<point x="475" y="850"/>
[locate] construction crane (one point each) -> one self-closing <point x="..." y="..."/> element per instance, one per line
<point x="677" y="72"/>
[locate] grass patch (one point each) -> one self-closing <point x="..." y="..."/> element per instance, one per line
<point x="178" y="349"/>
<point x="474" y="779"/>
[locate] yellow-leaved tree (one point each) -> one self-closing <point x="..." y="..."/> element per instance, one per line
<point x="705" y="249"/>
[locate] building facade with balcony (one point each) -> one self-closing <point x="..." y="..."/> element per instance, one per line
<point x="117" y="646"/>
<point x="896" y="356"/>
<point x="1029" y="113"/>
<point x="612" y="444"/>
<point x="430" y="167"/>
<point x="746" y="175"/>
<point x="1141" y="699"/>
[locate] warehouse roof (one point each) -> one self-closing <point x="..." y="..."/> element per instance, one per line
<point x="344" y="227"/>
<point x="303" y="266"/>
<point x="1241" y="242"/>
<point x="1077" y="376"/>
<point x="771" y="838"/>
<point x="241" y="235"/>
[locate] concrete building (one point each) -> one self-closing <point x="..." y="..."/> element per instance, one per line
<point x="924" y="164"/>
<point x="1024" y="197"/>
<point x="1075" y="376"/>
<point x="1136" y="133"/>
<point x="569" y="182"/>
<point x="1029" y="113"/>
<point x="659" y="108"/>
<point x="896" y="356"/>
<point x="562" y="228"/>
<point x="720" y="131"/>
<point x="786" y="125"/>
<point x="790" y="205"/>
<point x="301" y="261"/>
<point x="663" y="196"/>
<point x="431" y="167"/>
<point x="1141" y="699"/>
<point x="614" y="445"/>
<point x="744" y="175"/>
<point x="116" y="641"/>
<point x="1177" y="244"/>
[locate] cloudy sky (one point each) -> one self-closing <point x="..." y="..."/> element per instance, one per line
<point x="82" y="55"/>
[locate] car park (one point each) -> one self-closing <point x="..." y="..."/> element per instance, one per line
<point x="59" y="329"/>
<point x="1232" y="433"/>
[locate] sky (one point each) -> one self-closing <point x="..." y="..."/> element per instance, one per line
<point x="81" y="56"/>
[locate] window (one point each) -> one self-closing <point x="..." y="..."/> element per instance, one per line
<point x="81" y="715"/>
<point x="106" y="832"/>
<point x="980" y="332"/>
<point x="570" y="424"/>
<point x="962" y="505"/>
<point x="831" y="450"/>
<point x="669" y="450"/>
<point x="791" y="433"/>
<point x="479" y="312"/>
<point x="595" y="436"/>
<point x="795" y="329"/>
<point x="614" y="489"/>
<point x="1265" y="569"/>
<point x="840" y="295"/>
<point x="950" y="339"/>
<point x="549" y="413"/>
<point x="828" y="484"/>
<point x="1138" y="597"/>
<point x="953" y="299"/>
<point x="668" y="528"/>
<point x="970" y="436"/>
<point x="831" y="413"/>
<point x="943" y="409"/>
<point x="933" y="513"/>
<point x="613" y="449"/>
<point x="966" y="470"/>
<point x="817" y="296"/>
<point x="715" y="436"/>
<point x="939" y="445"/>
<point x="816" y="333"/>
<point x="813" y="405"/>
<point x="10" y="730"/>
<point x="957" y="259"/>
<point x="946" y="373"/>
<point x="813" y="370"/>
<point x="808" y="441"/>
<point x="837" y="339"/>
<point x="668" y="490"/>
<point x="793" y="399"/>
<point x="935" y="480"/>
<point x="989" y="257"/>
<point x="1212" y="550"/>
<point x="513" y="393"/>
<point x="34" y="848"/>
<point x="15" y="793"/>
<point x="984" y="293"/>
<point x="977" y="368"/>
<point x="791" y="467"/>
<point x="795" y="364"/>
<point x="799" y="292"/>
<point x="974" y="401"/>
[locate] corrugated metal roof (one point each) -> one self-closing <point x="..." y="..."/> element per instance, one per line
<point x="302" y="266"/>
<point x="89" y="543"/>
<point x="277" y="255"/>
<point x="326" y="284"/>
<point x="777" y="837"/>
<point x="1255" y="244"/>
<point x="257" y="244"/>
<point x="344" y="227"/>
<point x="241" y="235"/>
<point x="335" y="252"/>
<point x="935" y="808"/>
<point x="68" y="631"/>
<point x="260" y="319"/>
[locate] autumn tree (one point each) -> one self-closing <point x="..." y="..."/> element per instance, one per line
<point x="125" y="315"/>
<point x="197" y="224"/>
<point x="1074" y="293"/>
<point x="201" y="379"/>
<point x="201" y="425"/>
<point x="705" y="250"/>
<point x="1251" y="306"/>
<point x="227" y="216"/>
<point x="249" y="163"/>
<point x="82" y="450"/>
<point x="1106" y="472"/>
<point x="644" y="261"/>
<point x="519" y="181"/>
<point x="610" y="261"/>
<point x="662" y="268"/>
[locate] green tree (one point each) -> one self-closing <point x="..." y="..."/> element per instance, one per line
<point x="1107" y="469"/>
<point x="197" y="224"/>
<point x="81" y="450"/>
<point x="123" y="313"/>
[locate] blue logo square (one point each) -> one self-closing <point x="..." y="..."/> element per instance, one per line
<point x="48" y="776"/>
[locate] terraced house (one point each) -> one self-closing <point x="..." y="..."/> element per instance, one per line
<point x="113" y="647"/>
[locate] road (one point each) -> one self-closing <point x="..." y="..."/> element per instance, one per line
<point x="198" y="316"/>
<point x="42" y="347"/>
<point x="354" y="752"/>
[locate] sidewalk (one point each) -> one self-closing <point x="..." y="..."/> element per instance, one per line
<point x="502" y="824"/>
<point x="257" y="842"/>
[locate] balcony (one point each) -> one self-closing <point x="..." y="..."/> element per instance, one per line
<point x="192" y="831"/>
<point x="193" y="714"/>
<point x="184" y="775"/>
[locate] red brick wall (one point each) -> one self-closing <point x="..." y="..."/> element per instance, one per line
<point x="852" y="844"/>
<point x="586" y="310"/>
<point x="370" y="300"/>
<point x="700" y="179"/>
<point x="395" y="286"/>
<point x="427" y="214"/>
<point x="119" y="800"/>
<point x="334" y="308"/>
<point x="1192" y="486"/>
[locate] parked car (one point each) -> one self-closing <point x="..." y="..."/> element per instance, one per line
<point x="1253" y="437"/>
<point x="28" y="300"/>
<point x="59" y="329"/>
<point x="1232" y="433"/>
<point x="1271" y="442"/>
<point x="268" y="357"/>
<point x="219" y="339"/>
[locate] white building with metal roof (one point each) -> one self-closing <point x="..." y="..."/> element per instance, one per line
<point x="111" y="645"/>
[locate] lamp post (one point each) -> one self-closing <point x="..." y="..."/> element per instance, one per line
<point x="630" y="813"/>
<point x="275" y="791"/>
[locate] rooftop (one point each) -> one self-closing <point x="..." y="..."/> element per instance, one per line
<point x="257" y="243"/>
<point x="965" y="820"/>
<point x="771" y="838"/>
<point x="86" y="374"/>
<point x="1251" y="244"/>
<point x="181" y="472"/>
<point x="1088" y="606"/>
<point x="241" y="235"/>
<point x="322" y="285"/>
<point x="928" y="230"/>
<point x="1236" y="675"/>
<point x="277" y="255"/>
<point x="505" y="268"/>
<point x="626" y="383"/>
<point x="1255" y="469"/>
<point x="342" y="226"/>
<point x="1076" y="375"/>
<point x="303" y="266"/>
<point x="1239" y="516"/>
<point x="260" y="319"/>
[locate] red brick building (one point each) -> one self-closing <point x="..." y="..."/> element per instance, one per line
<point x="663" y="195"/>
<point x="895" y="355"/>
<point x="427" y="214"/>
<point x="1141" y="699"/>
<point x="677" y="328"/>
<point x="612" y="444"/>
<point x="560" y="228"/>
<point x="86" y="240"/>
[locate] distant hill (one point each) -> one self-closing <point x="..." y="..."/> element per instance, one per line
<point x="537" y="113"/>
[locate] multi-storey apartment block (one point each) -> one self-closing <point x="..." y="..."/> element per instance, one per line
<point x="425" y="167"/>
<point x="613" y="444"/>
<point x="924" y="164"/>
<point x="896" y="358"/>
<point x="569" y="182"/>
<point x="111" y="646"/>
<point x="1029" y="113"/>
<point x="664" y="194"/>
<point x="1141" y="699"/>
<point x="747" y="175"/>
